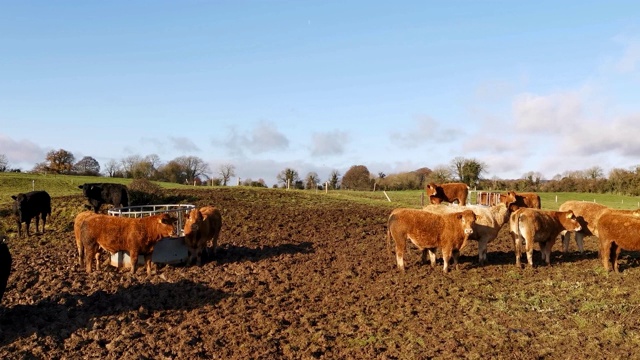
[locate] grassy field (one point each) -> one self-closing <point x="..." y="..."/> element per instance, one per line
<point x="61" y="185"/>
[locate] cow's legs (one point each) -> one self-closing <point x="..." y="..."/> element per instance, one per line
<point x="529" y="247"/>
<point x="44" y="221"/>
<point x="482" y="251"/>
<point x="605" y="253"/>
<point x="133" y="255"/>
<point x="446" y="255"/>
<point x="580" y="241"/>
<point x="615" y="254"/>
<point x="432" y="257"/>
<point x="566" y="238"/>
<point x="456" y="255"/>
<point x="147" y="261"/>
<point x="401" y="244"/>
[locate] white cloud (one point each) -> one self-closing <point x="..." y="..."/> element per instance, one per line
<point x="183" y="144"/>
<point x="264" y="137"/>
<point x="21" y="152"/>
<point x="547" y="113"/>
<point x="628" y="62"/>
<point x="425" y="130"/>
<point x="329" y="143"/>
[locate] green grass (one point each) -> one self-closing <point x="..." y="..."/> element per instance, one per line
<point x="61" y="185"/>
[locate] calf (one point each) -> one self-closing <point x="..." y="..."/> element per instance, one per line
<point x="586" y="213"/>
<point x="617" y="231"/>
<point x="523" y="200"/>
<point x="35" y="204"/>
<point x="429" y="231"/>
<point x="449" y="192"/>
<point x="202" y="225"/>
<point x="137" y="236"/>
<point x="541" y="226"/>
<point x="5" y="264"/>
<point x="489" y="221"/>
<point x="105" y="193"/>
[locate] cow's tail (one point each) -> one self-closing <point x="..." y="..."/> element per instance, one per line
<point x="518" y="236"/>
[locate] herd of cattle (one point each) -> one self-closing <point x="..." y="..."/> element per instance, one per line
<point x="448" y="228"/>
<point x="435" y="226"/>
<point x="94" y="231"/>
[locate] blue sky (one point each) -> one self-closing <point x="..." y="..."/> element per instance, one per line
<point x="543" y="86"/>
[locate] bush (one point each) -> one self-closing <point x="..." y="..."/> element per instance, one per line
<point x="144" y="192"/>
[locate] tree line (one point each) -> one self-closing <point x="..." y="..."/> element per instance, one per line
<point x="194" y="170"/>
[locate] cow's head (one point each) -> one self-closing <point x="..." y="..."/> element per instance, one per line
<point x="468" y="219"/>
<point x="431" y="189"/>
<point x="167" y="225"/>
<point x="88" y="189"/>
<point x="192" y="225"/>
<point x="569" y="221"/>
<point x="508" y="199"/>
<point x="19" y="206"/>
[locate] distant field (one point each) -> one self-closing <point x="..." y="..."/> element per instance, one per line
<point x="61" y="185"/>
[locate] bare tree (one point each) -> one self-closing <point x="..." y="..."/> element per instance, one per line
<point x="440" y="174"/>
<point x="594" y="173"/>
<point x="4" y="163"/>
<point x="311" y="180"/>
<point x="193" y="166"/>
<point x="129" y="163"/>
<point x="226" y="171"/>
<point x="288" y="176"/>
<point x="112" y="168"/>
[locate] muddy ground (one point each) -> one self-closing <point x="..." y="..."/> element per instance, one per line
<point x="301" y="276"/>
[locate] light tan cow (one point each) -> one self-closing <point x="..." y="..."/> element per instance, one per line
<point x="489" y="221"/>
<point x="617" y="231"/>
<point x="586" y="213"/>
<point x="541" y="226"/>
<point x="428" y="232"/>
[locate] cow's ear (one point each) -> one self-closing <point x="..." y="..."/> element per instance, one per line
<point x="14" y="197"/>
<point x="80" y="186"/>
<point x="569" y="214"/>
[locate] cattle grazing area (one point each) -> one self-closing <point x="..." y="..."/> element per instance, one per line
<point x="304" y="275"/>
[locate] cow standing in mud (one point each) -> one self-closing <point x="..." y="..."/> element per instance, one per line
<point x="105" y="193"/>
<point x="541" y="226"/>
<point x="137" y="236"/>
<point x="34" y="204"/>
<point x="428" y="232"/>
<point x="202" y="225"/>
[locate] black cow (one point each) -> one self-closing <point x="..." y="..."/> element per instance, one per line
<point x="5" y="266"/>
<point x="35" y="204"/>
<point x="105" y="193"/>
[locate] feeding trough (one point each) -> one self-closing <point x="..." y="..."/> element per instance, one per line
<point x="171" y="250"/>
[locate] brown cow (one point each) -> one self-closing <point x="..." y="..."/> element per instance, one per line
<point x="541" y="226"/>
<point x="202" y="225"/>
<point x="586" y="212"/>
<point x="137" y="236"/>
<point x="617" y="231"/>
<point x="429" y="231"/>
<point x="448" y="192"/>
<point x="489" y="221"/>
<point x="77" y="224"/>
<point x="523" y="200"/>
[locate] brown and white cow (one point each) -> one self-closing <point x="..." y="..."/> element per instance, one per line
<point x="137" y="236"/>
<point x="541" y="226"/>
<point x="202" y="225"/>
<point x="489" y="221"/>
<point x="586" y="213"/>
<point x="523" y="200"/>
<point x="617" y="231"/>
<point x="448" y="192"/>
<point x="428" y="232"/>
